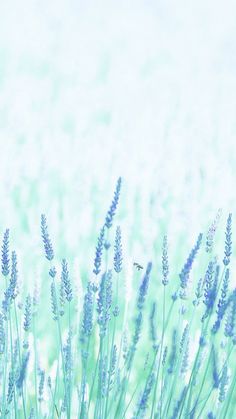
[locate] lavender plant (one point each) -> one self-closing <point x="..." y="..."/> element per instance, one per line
<point x="66" y="353"/>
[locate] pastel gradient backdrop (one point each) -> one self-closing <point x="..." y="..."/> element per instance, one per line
<point x="90" y="91"/>
<point x="94" y="90"/>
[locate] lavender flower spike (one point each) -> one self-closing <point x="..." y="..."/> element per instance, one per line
<point x="87" y="322"/>
<point x="98" y="256"/>
<point x="165" y="263"/>
<point x="22" y="373"/>
<point x="231" y="317"/>
<point x="223" y="384"/>
<point x="32" y="415"/>
<point x="222" y="303"/>
<point x="152" y="325"/>
<point x="2" y="335"/>
<point x="41" y="385"/>
<point x="104" y="302"/>
<point x="228" y="241"/>
<point x="112" y="210"/>
<point x="118" y="251"/>
<point x="10" y="391"/>
<point x="184" y="275"/>
<point x="211" y="280"/>
<point x="28" y="313"/>
<point x="5" y="253"/>
<point x="143" y="403"/>
<point x="212" y="231"/>
<point x="144" y="286"/>
<point x="66" y="281"/>
<point x="14" y="276"/>
<point x="54" y="301"/>
<point x="46" y="239"/>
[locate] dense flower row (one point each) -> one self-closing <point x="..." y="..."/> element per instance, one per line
<point x="104" y="364"/>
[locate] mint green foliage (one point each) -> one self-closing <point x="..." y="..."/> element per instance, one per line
<point x="108" y="350"/>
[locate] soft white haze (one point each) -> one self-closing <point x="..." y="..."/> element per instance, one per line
<point x="93" y="90"/>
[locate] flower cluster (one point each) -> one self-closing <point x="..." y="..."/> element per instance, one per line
<point x="117" y="357"/>
<point x="46" y="239"/>
<point x="87" y="321"/>
<point x="210" y="292"/>
<point x="212" y="231"/>
<point x="184" y="275"/>
<point x="5" y="253"/>
<point x="228" y="241"/>
<point x="118" y="251"/>
<point x="222" y="303"/>
<point x="99" y="249"/>
<point x="111" y="213"/>
<point x="165" y="263"/>
<point x="144" y="286"/>
<point x="104" y="301"/>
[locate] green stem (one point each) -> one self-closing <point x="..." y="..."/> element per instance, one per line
<point x="176" y="375"/>
<point x="230" y="396"/>
<point x="203" y="381"/>
<point x="60" y="344"/>
<point x="70" y="342"/>
<point x="111" y="351"/>
<point x="164" y="326"/>
<point x="55" y="387"/>
<point x="163" y="331"/>
<point x="212" y="387"/>
<point x="5" y="372"/>
<point x="130" y="401"/>
<point x="94" y="379"/>
<point x="209" y="316"/>
<point x="193" y="372"/>
<point x="54" y="404"/>
<point x="83" y="382"/>
<point x="19" y="352"/>
<point x="35" y="368"/>
<point x="12" y="366"/>
<point x="98" y="407"/>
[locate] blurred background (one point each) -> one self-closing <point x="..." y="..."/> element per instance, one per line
<point x="94" y="90"/>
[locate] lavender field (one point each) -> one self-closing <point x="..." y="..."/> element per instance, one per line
<point x="117" y="168"/>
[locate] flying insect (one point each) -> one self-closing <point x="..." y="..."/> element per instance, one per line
<point x="138" y="266"/>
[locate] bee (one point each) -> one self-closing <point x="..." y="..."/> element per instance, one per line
<point x="138" y="266"/>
